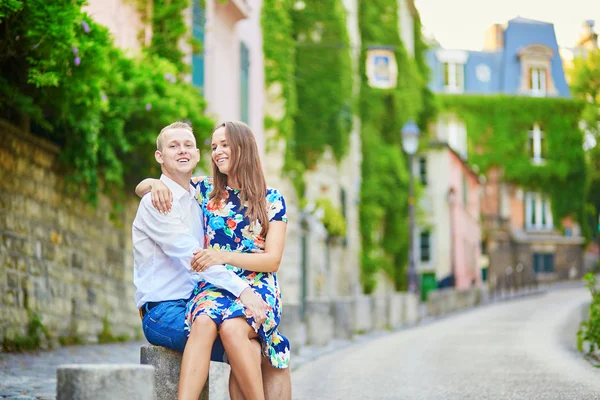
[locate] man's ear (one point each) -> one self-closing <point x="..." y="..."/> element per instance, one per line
<point x="159" y="157"/>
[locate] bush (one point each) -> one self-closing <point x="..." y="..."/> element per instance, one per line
<point x="589" y="331"/>
<point x="62" y="76"/>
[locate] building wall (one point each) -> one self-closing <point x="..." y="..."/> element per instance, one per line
<point x="464" y="219"/>
<point x="250" y="30"/>
<point x="221" y="62"/>
<point x="59" y="256"/>
<point x="122" y="20"/>
<point x="437" y="215"/>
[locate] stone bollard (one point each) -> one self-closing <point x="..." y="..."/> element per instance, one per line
<point x="105" y="382"/>
<point x="167" y="365"/>
<point x="319" y="321"/>
<point x="343" y="317"/>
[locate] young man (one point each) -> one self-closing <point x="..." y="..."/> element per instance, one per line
<point x="163" y="246"/>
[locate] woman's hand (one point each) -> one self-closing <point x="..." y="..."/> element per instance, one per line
<point x="206" y="258"/>
<point x="162" y="198"/>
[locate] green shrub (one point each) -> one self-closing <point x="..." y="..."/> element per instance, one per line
<point x="589" y="331"/>
<point x="34" y="338"/>
<point x="62" y="77"/>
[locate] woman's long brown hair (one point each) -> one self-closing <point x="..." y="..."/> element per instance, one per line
<point x="247" y="172"/>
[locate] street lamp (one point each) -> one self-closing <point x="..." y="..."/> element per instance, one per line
<point x="410" y="144"/>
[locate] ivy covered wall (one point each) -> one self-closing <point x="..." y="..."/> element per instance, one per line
<point x="384" y="192"/>
<point x="323" y="81"/>
<point x="498" y="136"/>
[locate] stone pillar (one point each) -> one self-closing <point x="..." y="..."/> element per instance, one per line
<point x="319" y="321"/>
<point x="363" y="314"/>
<point x="343" y="316"/>
<point x="105" y="382"/>
<point x="395" y="310"/>
<point x="167" y="365"/>
<point x="292" y="327"/>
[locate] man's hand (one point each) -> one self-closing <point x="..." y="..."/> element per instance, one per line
<point x="255" y="304"/>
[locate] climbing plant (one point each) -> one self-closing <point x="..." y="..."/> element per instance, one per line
<point x="62" y="77"/>
<point x="384" y="193"/>
<point x="323" y="81"/>
<point x="499" y="128"/>
<point x="279" y="55"/>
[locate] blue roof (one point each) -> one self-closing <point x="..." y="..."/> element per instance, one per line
<point x="504" y="63"/>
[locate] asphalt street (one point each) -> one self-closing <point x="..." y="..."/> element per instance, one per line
<point x="521" y="349"/>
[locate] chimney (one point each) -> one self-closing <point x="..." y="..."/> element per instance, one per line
<point x="588" y="39"/>
<point x="494" y="38"/>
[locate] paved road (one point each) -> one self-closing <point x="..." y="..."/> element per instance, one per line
<point x="522" y="349"/>
<point x="33" y="375"/>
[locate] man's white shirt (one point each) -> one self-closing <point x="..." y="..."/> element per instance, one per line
<point x="163" y="247"/>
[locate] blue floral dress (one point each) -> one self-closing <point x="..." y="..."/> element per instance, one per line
<point x="227" y="229"/>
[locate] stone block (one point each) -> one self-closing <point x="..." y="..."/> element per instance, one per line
<point x="293" y="327"/>
<point x="411" y="308"/>
<point x="363" y="314"/>
<point x="105" y="382"/>
<point x="343" y="317"/>
<point x="395" y="310"/>
<point x="167" y="365"/>
<point x="380" y="312"/>
<point x="319" y="321"/>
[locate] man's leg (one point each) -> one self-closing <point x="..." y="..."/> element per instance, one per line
<point x="164" y="324"/>
<point x="236" y="335"/>
<point x="277" y="381"/>
<point x="196" y="358"/>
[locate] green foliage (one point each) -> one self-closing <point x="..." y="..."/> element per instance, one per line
<point x="323" y="81"/>
<point x="36" y="334"/>
<point x="106" y="335"/>
<point x="168" y="28"/>
<point x="333" y="220"/>
<point x="589" y="331"/>
<point x="279" y="54"/>
<point x="384" y="191"/>
<point x="498" y="129"/>
<point x="61" y="71"/>
<point x="585" y="85"/>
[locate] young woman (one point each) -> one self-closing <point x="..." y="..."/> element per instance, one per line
<point x="239" y="214"/>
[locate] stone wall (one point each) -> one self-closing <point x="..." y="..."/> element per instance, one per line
<point x="59" y="257"/>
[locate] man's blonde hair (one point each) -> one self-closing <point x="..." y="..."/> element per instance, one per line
<point x="174" y="125"/>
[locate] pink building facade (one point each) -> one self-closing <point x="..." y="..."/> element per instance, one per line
<point x="448" y="237"/>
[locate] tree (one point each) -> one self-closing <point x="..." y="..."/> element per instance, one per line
<point x="585" y="85"/>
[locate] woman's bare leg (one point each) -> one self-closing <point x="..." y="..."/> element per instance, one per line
<point x="196" y="358"/>
<point x="236" y="336"/>
<point x="234" y="387"/>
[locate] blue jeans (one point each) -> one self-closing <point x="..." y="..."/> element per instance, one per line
<point x="163" y="326"/>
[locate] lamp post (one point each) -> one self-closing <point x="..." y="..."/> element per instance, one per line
<point x="410" y="144"/>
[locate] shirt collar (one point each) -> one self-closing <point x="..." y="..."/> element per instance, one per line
<point x="176" y="189"/>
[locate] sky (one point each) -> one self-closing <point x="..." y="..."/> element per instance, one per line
<point x="460" y="24"/>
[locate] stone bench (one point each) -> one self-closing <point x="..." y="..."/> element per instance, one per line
<point x="105" y="382"/>
<point x="167" y="365"/>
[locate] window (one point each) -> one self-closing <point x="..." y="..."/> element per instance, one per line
<point x="425" y="246"/>
<point x="543" y="262"/>
<point x="538" y="214"/>
<point x="454" y="77"/>
<point x="537" y="81"/>
<point x="244" y="83"/>
<point x="536" y="144"/>
<point x="454" y="132"/>
<point x="423" y="171"/>
<point x="199" y="20"/>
